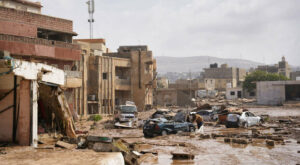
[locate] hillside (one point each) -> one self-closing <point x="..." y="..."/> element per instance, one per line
<point x="197" y="63"/>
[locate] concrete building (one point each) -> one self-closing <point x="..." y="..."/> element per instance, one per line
<point x="234" y="93"/>
<point x="223" y="77"/>
<point x="282" y="68"/>
<point x="277" y="92"/>
<point x="26" y="35"/>
<point x="295" y="75"/>
<point x="111" y="79"/>
<point x="179" y="93"/>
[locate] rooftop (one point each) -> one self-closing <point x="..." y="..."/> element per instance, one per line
<point x="29" y="3"/>
<point x="98" y="40"/>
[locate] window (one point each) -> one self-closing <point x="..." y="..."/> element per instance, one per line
<point x="252" y="93"/>
<point x="104" y="76"/>
<point x="232" y="93"/>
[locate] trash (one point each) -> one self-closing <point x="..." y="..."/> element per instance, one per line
<point x="65" y="145"/>
<point x="102" y="147"/>
<point x="200" y="130"/>
<point x="204" y="136"/>
<point x="183" y="156"/>
<point x="99" y="139"/>
<point x="227" y="140"/>
<point x="240" y="141"/>
<point x="270" y="143"/>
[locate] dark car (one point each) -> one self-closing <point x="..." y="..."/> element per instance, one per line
<point x="154" y="127"/>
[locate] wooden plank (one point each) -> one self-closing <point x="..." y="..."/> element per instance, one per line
<point x="65" y="145"/>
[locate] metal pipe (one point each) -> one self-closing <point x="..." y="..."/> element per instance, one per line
<point x="15" y="110"/>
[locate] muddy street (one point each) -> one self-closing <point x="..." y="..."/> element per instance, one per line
<point x="218" y="144"/>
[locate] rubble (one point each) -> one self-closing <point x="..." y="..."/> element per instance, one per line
<point x="65" y="145"/>
<point x="178" y="155"/>
<point x="270" y="143"/>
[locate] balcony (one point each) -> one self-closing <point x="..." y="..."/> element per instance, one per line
<point x="122" y="84"/>
<point x="73" y="79"/>
<point x="27" y="46"/>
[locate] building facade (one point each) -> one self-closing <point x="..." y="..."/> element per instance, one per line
<point x="41" y="42"/>
<point x="111" y="79"/>
<point x="277" y="92"/>
<point x="282" y="68"/>
<point x="223" y="77"/>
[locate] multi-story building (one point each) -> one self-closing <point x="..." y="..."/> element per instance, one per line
<point x="40" y="41"/>
<point x="111" y="79"/>
<point x="223" y="77"/>
<point x="282" y="68"/>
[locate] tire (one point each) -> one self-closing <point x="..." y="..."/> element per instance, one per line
<point x="245" y="125"/>
<point x="164" y="133"/>
<point x="192" y="129"/>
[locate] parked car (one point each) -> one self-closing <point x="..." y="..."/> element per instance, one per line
<point x="161" y="126"/>
<point x="245" y="119"/>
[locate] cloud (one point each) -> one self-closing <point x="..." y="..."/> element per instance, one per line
<point x="256" y="30"/>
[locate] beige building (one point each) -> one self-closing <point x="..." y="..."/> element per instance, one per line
<point x="223" y="77"/>
<point x="282" y="68"/>
<point x="111" y="79"/>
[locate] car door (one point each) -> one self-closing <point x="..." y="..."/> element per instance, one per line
<point x="252" y="119"/>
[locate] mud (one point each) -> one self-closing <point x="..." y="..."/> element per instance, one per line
<point x="283" y="124"/>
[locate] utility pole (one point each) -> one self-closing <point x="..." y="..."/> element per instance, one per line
<point x="91" y="9"/>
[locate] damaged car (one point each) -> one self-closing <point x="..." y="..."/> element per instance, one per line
<point x="244" y="119"/>
<point x="161" y="126"/>
<point x="125" y="115"/>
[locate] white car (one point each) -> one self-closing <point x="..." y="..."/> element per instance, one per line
<point x="248" y="119"/>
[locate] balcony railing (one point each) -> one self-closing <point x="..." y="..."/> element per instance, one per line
<point x="73" y="74"/>
<point x="122" y="81"/>
<point x="38" y="41"/>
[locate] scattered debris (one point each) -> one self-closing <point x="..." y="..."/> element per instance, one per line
<point x="178" y="155"/>
<point x="270" y="143"/>
<point x="65" y="145"/>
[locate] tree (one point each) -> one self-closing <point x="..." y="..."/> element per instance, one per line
<point x="249" y="83"/>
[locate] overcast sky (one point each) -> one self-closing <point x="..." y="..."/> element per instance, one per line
<point x="257" y="30"/>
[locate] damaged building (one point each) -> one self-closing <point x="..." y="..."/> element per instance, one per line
<point x="277" y="92"/>
<point x="38" y="67"/>
<point x="111" y="79"/>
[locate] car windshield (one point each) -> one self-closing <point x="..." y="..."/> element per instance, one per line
<point x="128" y="109"/>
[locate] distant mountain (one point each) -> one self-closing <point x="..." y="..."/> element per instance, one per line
<point x="197" y="63"/>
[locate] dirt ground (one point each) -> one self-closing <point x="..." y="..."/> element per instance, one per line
<point x="212" y="150"/>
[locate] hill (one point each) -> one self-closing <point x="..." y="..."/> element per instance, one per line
<point x="197" y="63"/>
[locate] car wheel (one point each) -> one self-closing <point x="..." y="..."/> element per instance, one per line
<point x="192" y="129"/>
<point x="245" y="125"/>
<point x="164" y="133"/>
